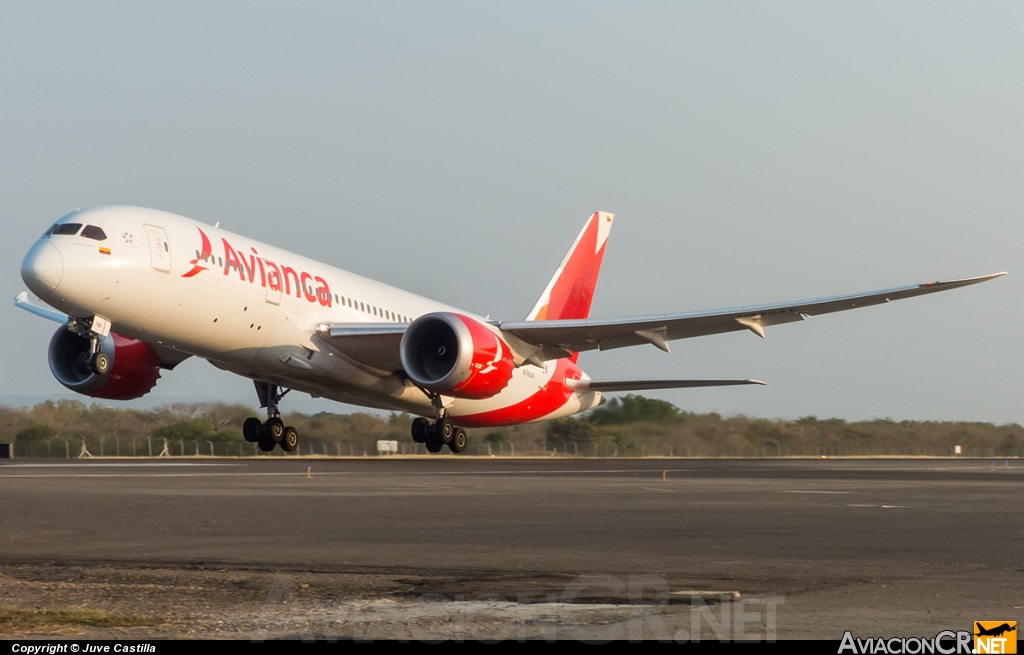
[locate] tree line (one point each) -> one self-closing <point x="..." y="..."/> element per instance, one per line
<point x="632" y="425"/>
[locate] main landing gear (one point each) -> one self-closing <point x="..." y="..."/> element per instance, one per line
<point x="439" y="434"/>
<point x="273" y="432"/>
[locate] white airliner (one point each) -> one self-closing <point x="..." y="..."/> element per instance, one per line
<point x="139" y="290"/>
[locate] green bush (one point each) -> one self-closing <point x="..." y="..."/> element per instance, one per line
<point x="192" y="429"/>
<point x="632" y="408"/>
<point x="36" y="431"/>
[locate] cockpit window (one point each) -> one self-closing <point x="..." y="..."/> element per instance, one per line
<point x="50" y="231"/>
<point x="93" y="232"/>
<point x="67" y="228"/>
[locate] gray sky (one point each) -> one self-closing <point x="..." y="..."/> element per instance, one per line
<point x="751" y="152"/>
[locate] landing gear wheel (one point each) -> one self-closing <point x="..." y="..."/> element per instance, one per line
<point x="290" y="440"/>
<point x="444" y="430"/>
<point x="251" y="429"/>
<point x="274" y="428"/>
<point x="420" y="430"/>
<point x="458" y="442"/>
<point x="100" y="363"/>
<point x="82" y="363"/>
<point x="434" y="446"/>
<point x="266" y="443"/>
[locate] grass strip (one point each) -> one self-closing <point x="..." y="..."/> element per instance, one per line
<point x="15" y="620"/>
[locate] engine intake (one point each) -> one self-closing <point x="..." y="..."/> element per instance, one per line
<point x="453" y="354"/>
<point x="133" y="372"/>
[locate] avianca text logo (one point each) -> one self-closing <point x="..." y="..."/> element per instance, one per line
<point x="272" y="276"/>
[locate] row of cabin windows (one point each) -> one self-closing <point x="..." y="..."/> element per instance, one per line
<point x="71" y="229"/>
<point x="371" y="309"/>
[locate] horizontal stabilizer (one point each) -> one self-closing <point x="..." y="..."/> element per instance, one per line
<point x="642" y="385"/>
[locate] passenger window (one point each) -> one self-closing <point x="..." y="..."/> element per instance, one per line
<point x="95" y="233"/>
<point x="68" y="229"/>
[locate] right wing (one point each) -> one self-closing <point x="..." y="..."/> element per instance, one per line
<point x="21" y="301"/>
<point x="561" y="338"/>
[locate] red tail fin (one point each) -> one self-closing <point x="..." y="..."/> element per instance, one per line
<point x="571" y="290"/>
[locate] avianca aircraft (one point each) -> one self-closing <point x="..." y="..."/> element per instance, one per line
<point x="139" y="290"/>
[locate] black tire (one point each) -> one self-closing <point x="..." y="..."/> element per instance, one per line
<point x="444" y="430"/>
<point x="274" y="428"/>
<point x="290" y="440"/>
<point x="251" y="429"/>
<point x="100" y="363"/>
<point x="266" y="443"/>
<point x="83" y="363"/>
<point x="458" y="442"/>
<point x="420" y="430"/>
<point x="433" y="445"/>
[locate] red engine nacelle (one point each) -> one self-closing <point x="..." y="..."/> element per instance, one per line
<point x="456" y="355"/>
<point x="134" y="366"/>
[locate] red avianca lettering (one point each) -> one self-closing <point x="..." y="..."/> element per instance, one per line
<point x="277" y="278"/>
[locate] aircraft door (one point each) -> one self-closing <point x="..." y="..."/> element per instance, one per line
<point x="159" y="248"/>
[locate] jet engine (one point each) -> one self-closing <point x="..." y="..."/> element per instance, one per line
<point x="132" y="366"/>
<point x="456" y="355"/>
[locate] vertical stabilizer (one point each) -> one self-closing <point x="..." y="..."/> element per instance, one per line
<point x="571" y="290"/>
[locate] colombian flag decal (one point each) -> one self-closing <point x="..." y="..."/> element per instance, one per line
<point x="104" y="251"/>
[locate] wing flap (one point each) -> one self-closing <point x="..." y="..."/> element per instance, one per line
<point x="606" y="334"/>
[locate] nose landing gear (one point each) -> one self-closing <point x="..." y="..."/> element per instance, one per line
<point x="273" y="431"/>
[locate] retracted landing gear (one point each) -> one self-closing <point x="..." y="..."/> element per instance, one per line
<point x="273" y="431"/>
<point x="439" y="434"/>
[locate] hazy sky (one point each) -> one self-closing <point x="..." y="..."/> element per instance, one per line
<point x="752" y="152"/>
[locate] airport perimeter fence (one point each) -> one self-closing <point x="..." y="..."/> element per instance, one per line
<point x="82" y="447"/>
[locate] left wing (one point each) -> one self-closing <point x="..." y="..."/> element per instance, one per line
<point x="560" y="338"/>
<point x="378" y="344"/>
<point x="375" y="344"/>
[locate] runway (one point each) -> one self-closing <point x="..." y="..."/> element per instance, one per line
<point x="897" y="546"/>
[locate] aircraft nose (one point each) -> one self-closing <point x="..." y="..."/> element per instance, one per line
<point x="42" y="268"/>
